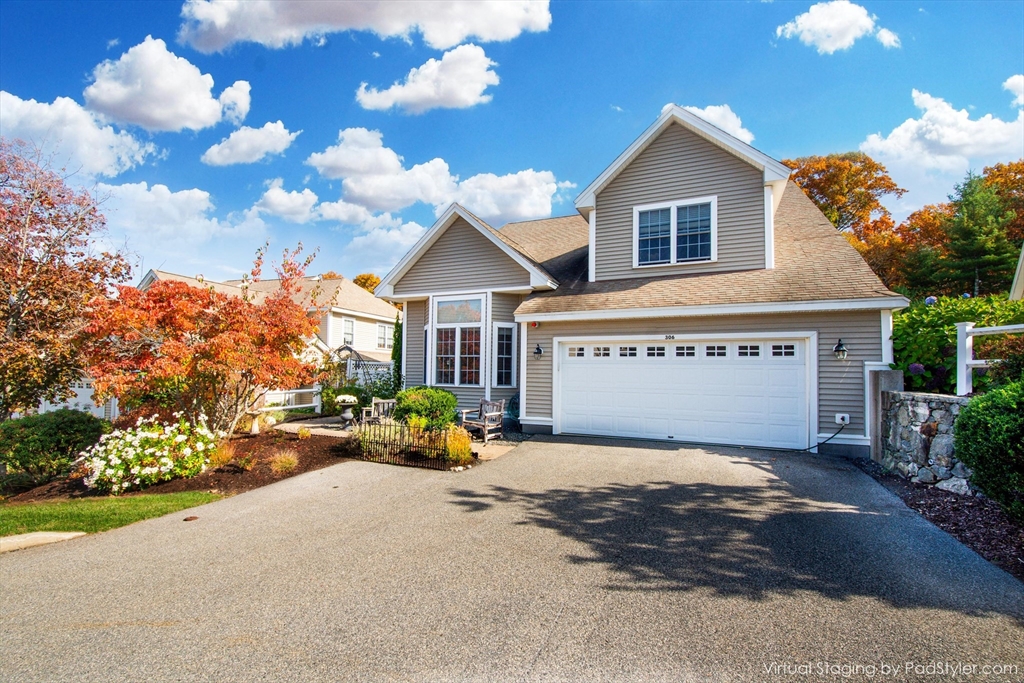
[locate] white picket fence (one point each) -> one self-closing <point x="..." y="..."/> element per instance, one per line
<point x="292" y="399"/>
<point x="363" y="370"/>
<point x="965" y="360"/>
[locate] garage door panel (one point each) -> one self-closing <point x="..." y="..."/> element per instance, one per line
<point x="750" y="400"/>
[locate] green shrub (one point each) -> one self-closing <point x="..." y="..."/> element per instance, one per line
<point x="42" y="447"/>
<point x="436" y="405"/>
<point x="924" y="336"/>
<point x="1010" y="368"/>
<point x="989" y="436"/>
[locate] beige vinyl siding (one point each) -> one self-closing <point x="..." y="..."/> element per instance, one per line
<point x="469" y="397"/>
<point x="462" y="259"/>
<point x="840" y="383"/>
<point x="415" y="319"/>
<point x="680" y="164"/>
<point x="364" y="333"/>
<point x="503" y="307"/>
<point x="325" y="324"/>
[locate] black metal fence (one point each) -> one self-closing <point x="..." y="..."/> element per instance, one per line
<point x="397" y="444"/>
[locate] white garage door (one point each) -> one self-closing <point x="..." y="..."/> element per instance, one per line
<point x="716" y="391"/>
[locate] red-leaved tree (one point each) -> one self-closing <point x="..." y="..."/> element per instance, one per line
<point x="204" y="352"/>
<point x="49" y="272"/>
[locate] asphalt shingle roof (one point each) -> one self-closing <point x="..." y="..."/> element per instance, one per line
<point x="812" y="262"/>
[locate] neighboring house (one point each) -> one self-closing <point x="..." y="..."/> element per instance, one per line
<point x="1017" y="288"/>
<point x="356" y="321"/>
<point x="697" y="296"/>
<point x="82" y="400"/>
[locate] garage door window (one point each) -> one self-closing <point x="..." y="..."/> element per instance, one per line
<point x="576" y="352"/>
<point x="715" y="351"/>
<point x="783" y="350"/>
<point x="627" y="352"/>
<point x="686" y="351"/>
<point x="655" y="351"/>
<point x="749" y="350"/>
<point x="602" y="351"/>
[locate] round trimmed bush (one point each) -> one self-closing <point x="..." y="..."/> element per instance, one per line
<point x="42" y="447"/>
<point x="437" y="406"/>
<point x="989" y="437"/>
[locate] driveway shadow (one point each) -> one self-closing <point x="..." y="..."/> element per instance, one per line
<point x="761" y="540"/>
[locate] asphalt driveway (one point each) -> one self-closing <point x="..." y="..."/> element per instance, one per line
<point x="563" y="560"/>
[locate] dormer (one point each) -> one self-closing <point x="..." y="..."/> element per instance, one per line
<point x="684" y="198"/>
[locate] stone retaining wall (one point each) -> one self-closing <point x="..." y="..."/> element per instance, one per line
<point x="917" y="439"/>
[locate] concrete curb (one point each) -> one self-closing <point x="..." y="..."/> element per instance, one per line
<point x="21" y="541"/>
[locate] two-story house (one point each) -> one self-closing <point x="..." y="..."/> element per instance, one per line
<point x="697" y="296"/>
<point x="355" y="320"/>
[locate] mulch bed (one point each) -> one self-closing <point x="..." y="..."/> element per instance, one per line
<point x="975" y="521"/>
<point x="313" y="453"/>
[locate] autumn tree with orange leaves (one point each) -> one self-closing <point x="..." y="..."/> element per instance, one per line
<point x="367" y="281"/>
<point x="204" y="352"/>
<point x="848" y="188"/>
<point x="50" y="272"/>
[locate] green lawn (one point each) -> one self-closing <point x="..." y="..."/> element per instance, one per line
<point x="94" y="514"/>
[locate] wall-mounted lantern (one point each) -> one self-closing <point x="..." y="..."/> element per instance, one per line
<point x="538" y="352"/>
<point x="840" y="350"/>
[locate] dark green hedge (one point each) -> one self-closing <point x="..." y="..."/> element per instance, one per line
<point x="42" y="447"/>
<point x="989" y="437"/>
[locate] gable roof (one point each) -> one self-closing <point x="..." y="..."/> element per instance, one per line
<point x="539" y="277"/>
<point x="774" y="171"/>
<point x="814" y="265"/>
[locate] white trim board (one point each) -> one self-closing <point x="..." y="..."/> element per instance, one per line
<point x="386" y="288"/>
<point x="881" y="303"/>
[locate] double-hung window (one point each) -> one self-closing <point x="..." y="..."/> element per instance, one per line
<point x="385" y="336"/>
<point x="458" y="339"/>
<point x="684" y="231"/>
<point x="348" y="331"/>
<point x="504" y="355"/>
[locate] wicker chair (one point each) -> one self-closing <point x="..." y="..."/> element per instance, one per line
<point x="488" y="418"/>
<point x="378" y="411"/>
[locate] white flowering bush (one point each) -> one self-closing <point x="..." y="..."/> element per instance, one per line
<point x="150" y="452"/>
<point x="344" y="399"/>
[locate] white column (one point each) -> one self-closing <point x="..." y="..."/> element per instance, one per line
<point x="769" y="229"/>
<point x="964" y="355"/>
<point x="592" y="256"/>
<point x="887" y="355"/>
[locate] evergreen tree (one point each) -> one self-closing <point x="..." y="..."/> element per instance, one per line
<point x="979" y="257"/>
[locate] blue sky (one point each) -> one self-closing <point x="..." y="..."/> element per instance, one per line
<point x="510" y="107"/>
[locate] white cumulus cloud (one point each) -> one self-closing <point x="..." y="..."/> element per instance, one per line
<point x="248" y="145"/>
<point x="294" y="206"/>
<point x="379" y="247"/>
<point x="343" y="212"/>
<point x="946" y="138"/>
<point x="155" y="215"/>
<point x="375" y="177"/>
<point x="928" y="154"/>
<point x="1015" y="85"/>
<point x="836" y="25"/>
<point x="722" y="116"/>
<point x="74" y="137"/>
<point x="149" y="86"/>
<point x="213" y="25"/>
<point x="455" y="81"/>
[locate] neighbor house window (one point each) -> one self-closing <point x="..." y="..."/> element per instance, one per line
<point x="348" y="331"/>
<point x="504" y="355"/>
<point x="459" y="336"/>
<point x="676" y="232"/>
<point x="385" y="336"/>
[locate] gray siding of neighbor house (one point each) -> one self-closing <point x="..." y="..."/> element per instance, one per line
<point x="680" y="164"/>
<point x="462" y="259"/>
<point x="840" y="383"/>
<point x="415" y="319"/>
